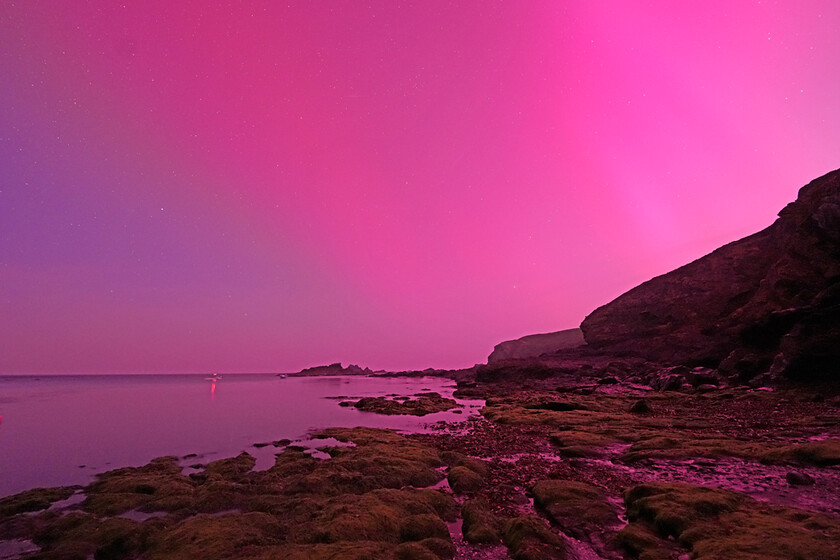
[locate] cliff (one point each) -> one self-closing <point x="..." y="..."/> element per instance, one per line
<point x="534" y="345"/>
<point x="767" y="303"/>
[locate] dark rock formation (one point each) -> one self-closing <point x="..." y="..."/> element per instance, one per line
<point x="334" y="369"/>
<point x="769" y="303"/>
<point x="534" y="345"/>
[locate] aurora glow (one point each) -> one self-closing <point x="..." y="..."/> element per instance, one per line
<point x="258" y="187"/>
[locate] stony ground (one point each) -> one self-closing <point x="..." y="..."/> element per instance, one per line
<point x="585" y="459"/>
<point x="553" y="468"/>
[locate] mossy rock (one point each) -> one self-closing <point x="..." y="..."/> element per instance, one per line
<point x="464" y="480"/>
<point x="455" y="459"/>
<point x="415" y="501"/>
<point x="362" y="503"/>
<point x="379" y="459"/>
<point x="157" y="486"/>
<point x="34" y="500"/>
<point x="442" y="548"/>
<point x="530" y="538"/>
<point x="234" y="469"/>
<point x="78" y="532"/>
<point x="715" y="524"/>
<point x="423" y="526"/>
<point x="673" y="507"/>
<point x="414" y="551"/>
<point x="425" y="403"/>
<point x="334" y="551"/>
<point x="575" y="443"/>
<point x="579" y="508"/>
<point x="384" y="515"/>
<point x="820" y="453"/>
<point x="216" y="537"/>
<point x="480" y="526"/>
<point x="290" y="462"/>
<point x="642" y="543"/>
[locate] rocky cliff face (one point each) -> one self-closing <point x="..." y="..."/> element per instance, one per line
<point x="767" y="303"/>
<point x="534" y="345"/>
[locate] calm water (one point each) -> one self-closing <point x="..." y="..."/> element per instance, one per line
<point x="59" y="430"/>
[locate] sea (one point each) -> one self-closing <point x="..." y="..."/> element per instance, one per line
<point x="58" y="430"/>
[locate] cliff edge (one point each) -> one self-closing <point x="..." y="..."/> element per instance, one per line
<point x="768" y="303"/>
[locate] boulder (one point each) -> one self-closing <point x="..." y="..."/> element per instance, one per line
<point x="641" y="406"/>
<point x="799" y="479"/>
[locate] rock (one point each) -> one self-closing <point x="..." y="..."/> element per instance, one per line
<point x="556" y="406"/>
<point x="334" y="369"/>
<point x="513" y="370"/>
<point x="534" y="345"/>
<point x="668" y="379"/>
<point x="641" y="406"/>
<point x="703" y="376"/>
<point x="607" y="381"/>
<point x="737" y="308"/>
<point x="706" y="387"/>
<point x="799" y="479"/>
<point x="673" y="382"/>
<point x="462" y="480"/>
<point x="425" y="403"/>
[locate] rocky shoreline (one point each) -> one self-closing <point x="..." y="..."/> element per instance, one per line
<point x="567" y="465"/>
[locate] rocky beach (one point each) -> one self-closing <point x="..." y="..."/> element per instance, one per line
<point x="698" y="419"/>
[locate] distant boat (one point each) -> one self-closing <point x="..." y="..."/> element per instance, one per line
<point x="214" y="376"/>
<point x="282" y="376"/>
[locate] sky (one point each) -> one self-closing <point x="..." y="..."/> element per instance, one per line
<point x="258" y="186"/>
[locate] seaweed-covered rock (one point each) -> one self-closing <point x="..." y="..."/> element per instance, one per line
<point x="157" y="486"/>
<point x="480" y="526"/>
<point x="361" y="503"/>
<point x="530" y="538"/>
<point x="581" y="509"/>
<point x="716" y="523"/>
<point x="423" y="404"/>
<point x="463" y="480"/>
<point x="820" y="453"/>
<point x="34" y="500"/>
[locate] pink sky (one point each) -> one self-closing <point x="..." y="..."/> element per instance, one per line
<point x="257" y="187"/>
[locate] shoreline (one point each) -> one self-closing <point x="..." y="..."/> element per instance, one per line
<point x="561" y="464"/>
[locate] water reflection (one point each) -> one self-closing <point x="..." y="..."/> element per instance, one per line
<point x="213" y="379"/>
<point x="125" y="420"/>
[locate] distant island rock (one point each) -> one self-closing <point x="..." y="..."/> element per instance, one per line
<point x="534" y="345"/>
<point x="334" y="369"/>
<point x="766" y="304"/>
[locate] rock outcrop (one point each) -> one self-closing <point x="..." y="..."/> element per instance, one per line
<point x="534" y="345"/>
<point x="334" y="369"/>
<point x="769" y="303"/>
